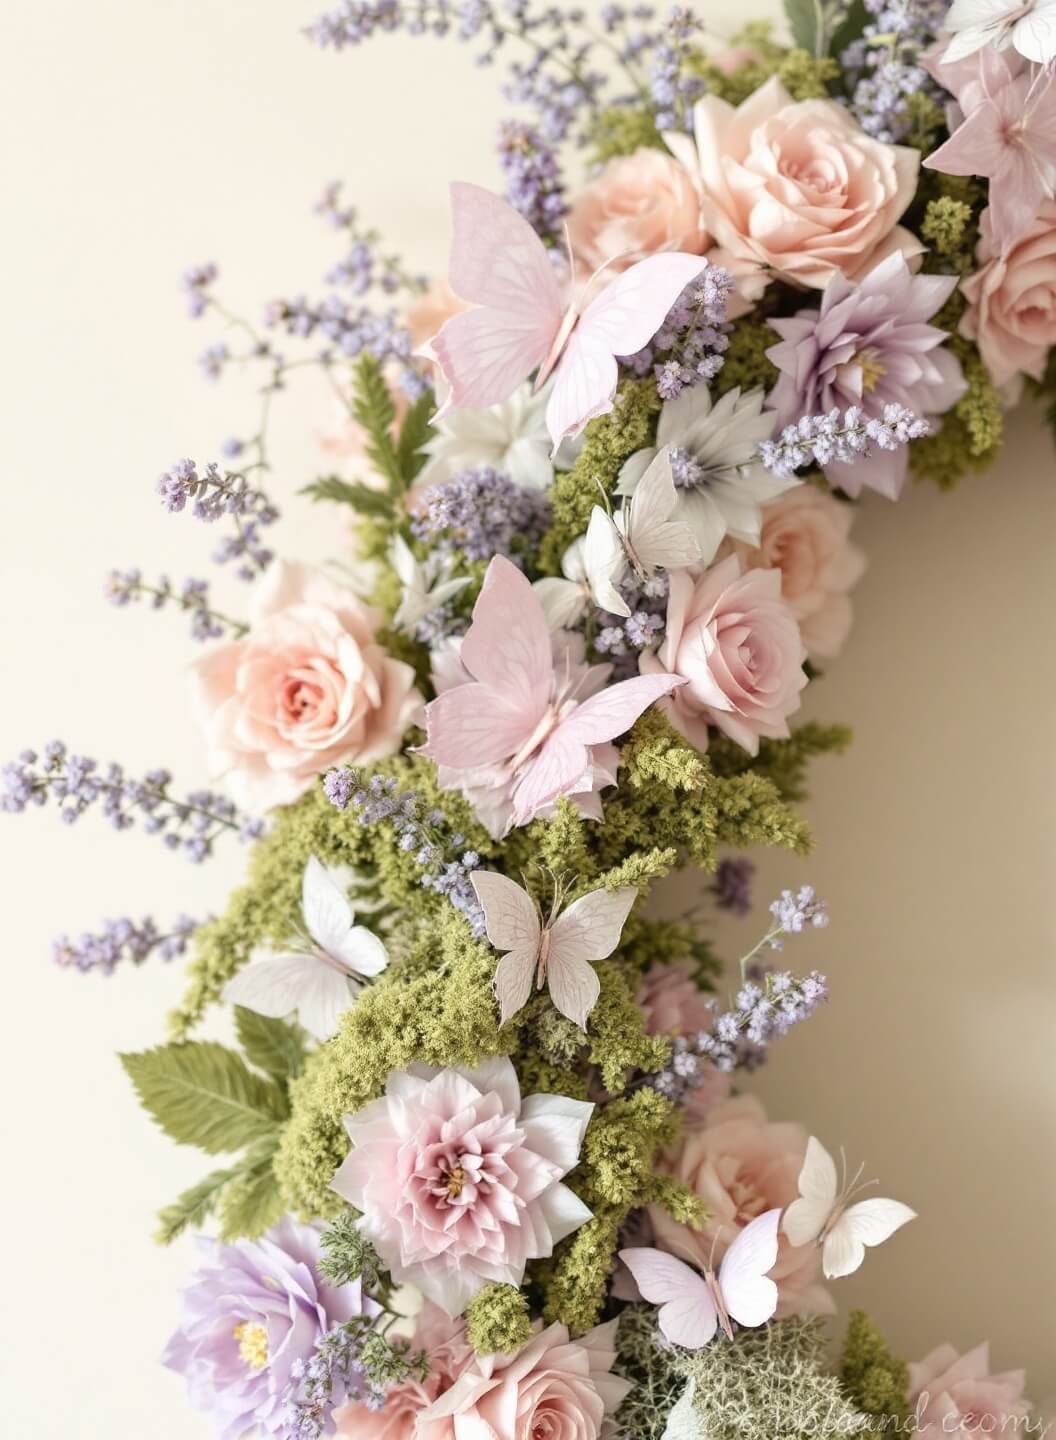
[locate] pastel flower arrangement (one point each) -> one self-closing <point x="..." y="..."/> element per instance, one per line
<point x="490" y="1168"/>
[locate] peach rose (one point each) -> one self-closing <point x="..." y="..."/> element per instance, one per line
<point x="736" y="643"/>
<point x="804" y="534"/>
<point x="796" y="188"/>
<point x="448" y="1351"/>
<point x="552" y="1388"/>
<point x="955" y="1394"/>
<point x="638" y="205"/>
<point x="306" y="688"/>
<point x="427" y="313"/>
<point x="1011" y="298"/>
<point x="742" y="1164"/>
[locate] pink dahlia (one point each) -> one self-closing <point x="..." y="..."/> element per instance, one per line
<point x="868" y="344"/>
<point x="458" y="1178"/>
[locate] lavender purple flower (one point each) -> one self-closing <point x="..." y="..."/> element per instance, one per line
<point x="123" y="940"/>
<point x="690" y="344"/>
<point x="533" y="179"/>
<point x="673" y="89"/>
<point x="212" y="494"/>
<point x="885" y="64"/>
<point x="124" y="587"/>
<point x="196" y="280"/>
<point x="480" y="513"/>
<point x="840" y="439"/>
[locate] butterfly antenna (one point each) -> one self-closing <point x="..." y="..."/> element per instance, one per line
<point x="571" y="256"/>
<point x="843" y="1170"/>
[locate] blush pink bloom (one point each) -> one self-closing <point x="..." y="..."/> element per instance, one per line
<point x="741" y="1164"/>
<point x="954" y="1394"/>
<point x="1011" y="298"/>
<point x="736" y="643"/>
<point x="636" y="206"/>
<point x="444" y="1342"/>
<point x="458" y="1178"/>
<point x="804" y="535"/>
<point x="795" y="189"/>
<point x="429" y="312"/>
<point x="552" y="1388"/>
<point x="673" y="1004"/>
<point x="307" y="688"/>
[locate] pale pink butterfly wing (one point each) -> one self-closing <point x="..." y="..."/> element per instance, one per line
<point x="657" y="540"/>
<point x="870" y="1222"/>
<point x="511" y="923"/>
<point x="687" y="1314"/>
<point x="500" y="264"/>
<point x="281" y="985"/>
<point x="589" y="929"/>
<point x="818" y="1187"/>
<point x="749" y="1295"/>
<point x="620" y="321"/>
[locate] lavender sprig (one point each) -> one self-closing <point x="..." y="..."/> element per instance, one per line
<point x="197" y="281"/>
<point x="885" y="65"/>
<point x="840" y="439"/>
<point x="533" y="178"/>
<point x="445" y="863"/>
<point x="213" y="494"/>
<point x="332" y="1375"/>
<point x="123" y="940"/>
<point x="124" y="587"/>
<point x="78" y="784"/>
<point x="689" y="347"/>
<point x="673" y="88"/>
<point x="480" y="513"/>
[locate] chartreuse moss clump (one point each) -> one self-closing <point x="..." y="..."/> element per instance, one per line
<point x="498" y="1320"/>
<point x="744" y="363"/>
<point x="620" y="130"/>
<point x="874" y="1378"/>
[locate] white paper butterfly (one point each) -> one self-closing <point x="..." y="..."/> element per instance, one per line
<point x="319" y="978"/>
<point x="694" y="1306"/>
<point x="557" y="953"/>
<point x="684" y="1422"/>
<point x="823" y="1214"/>
<point x="426" y="584"/>
<point x="566" y="597"/>
<point x="640" y="539"/>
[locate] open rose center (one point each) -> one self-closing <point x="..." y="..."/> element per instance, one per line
<point x="747" y="1199"/>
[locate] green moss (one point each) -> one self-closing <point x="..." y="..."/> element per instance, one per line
<point x="969" y="437"/>
<point x="874" y="1379"/>
<point x="782" y="762"/>
<point x="804" y="76"/>
<point x="498" y="1320"/>
<point x="745" y="365"/>
<point x="947" y="227"/>
<point x="621" y="130"/>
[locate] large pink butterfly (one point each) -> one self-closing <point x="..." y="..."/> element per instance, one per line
<point x="693" y="1306"/>
<point x="500" y="265"/>
<point x="519" y="711"/>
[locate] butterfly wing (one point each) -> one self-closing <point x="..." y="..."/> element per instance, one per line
<point x="1034" y="35"/>
<point x="870" y="1222"/>
<point x="281" y="985"/>
<point x="589" y="929"/>
<point x="563" y="601"/>
<point x="605" y="562"/>
<point x="656" y="539"/>
<point x="687" y="1313"/>
<point x="327" y="911"/>
<point x="818" y="1187"/>
<point x="512" y="924"/>
<point x="748" y="1293"/>
<point x="500" y="264"/>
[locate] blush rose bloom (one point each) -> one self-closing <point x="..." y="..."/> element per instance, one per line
<point x="796" y="188"/>
<point x="805" y="536"/>
<point x="1011" y="298"/>
<point x="458" y="1179"/>
<point x="448" y="1352"/>
<point x="736" y="642"/>
<point x="638" y="205"/>
<point x="306" y="688"/>
<point x="954" y="1394"/>
<point x="741" y="1164"/>
<point x="552" y="1388"/>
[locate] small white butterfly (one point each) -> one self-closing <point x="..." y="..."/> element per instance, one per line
<point x="566" y="597"/>
<point x="683" y="1421"/>
<point x="319" y="978"/>
<point x="640" y="539"/>
<point x="557" y="953"/>
<point x="823" y="1214"/>
<point x="426" y="584"/>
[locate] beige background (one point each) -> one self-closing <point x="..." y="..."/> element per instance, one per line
<point x="140" y="137"/>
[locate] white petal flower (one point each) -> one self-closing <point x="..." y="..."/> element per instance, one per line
<point x="511" y="437"/>
<point x="722" y="484"/>
<point x="1029" y="25"/>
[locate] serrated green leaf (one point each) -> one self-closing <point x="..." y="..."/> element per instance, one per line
<point x="203" y="1094"/>
<point x="373" y="409"/>
<point x="344" y="492"/>
<point x="193" y="1207"/>
<point x="806" y="22"/>
<point x="251" y="1203"/>
<point x="415" y="432"/>
<point x="271" y="1045"/>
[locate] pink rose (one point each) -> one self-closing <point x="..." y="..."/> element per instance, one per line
<point x="1011" y="298"/>
<point x="428" y="312"/>
<point x="639" y="204"/>
<point x="956" y="1395"/>
<point x="804" y="535"/>
<point x="306" y="688"/>
<point x="553" y="1388"/>
<point x="796" y="188"/>
<point x="736" y="642"/>
<point x="448" y="1352"/>
<point x="742" y="1164"/>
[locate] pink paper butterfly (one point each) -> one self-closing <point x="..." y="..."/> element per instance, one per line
<point x="520" y="712"/>
<point x="500" y="265"/>
<point x="693" y="1306"/>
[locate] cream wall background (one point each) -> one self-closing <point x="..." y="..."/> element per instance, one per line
<point x="140" y="137"/>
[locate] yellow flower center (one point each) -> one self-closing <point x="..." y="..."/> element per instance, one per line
<point x="456" y="1179"/>
<point x="872" y="368"/>
<point x="252" y="1344"/>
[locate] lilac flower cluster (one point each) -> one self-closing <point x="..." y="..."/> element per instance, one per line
<point x="886" y="64"/>
<point x="126" y="940"/>
<point x="674" y="90"/>
<point x="196" y="281"/>
<point x="446" y="866"/>
<point x="213" y="494"/>
<point x="123" y="587"/>
<point x="794" y="912"/>
<point x="480" y="513"/>
<point x="332" y="1375"/>
<point x="78" y="783"/>
<point x="690" y="345"/>
<point x="363" y="268"/>
<point x="622" y="638"/>
<point x="732" y="886"/>
<point x="840" y="439"/>
<point x="352" y="329"/>
<point x="533" y="179"/>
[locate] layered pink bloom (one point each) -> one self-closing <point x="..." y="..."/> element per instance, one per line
<point x="673" y="1004"/>
<point x="796" y="189"/>
<point x="804" y="535"/>
<point x="741" y="1164"/>
<point x="458" y="1178"/>
<point x="735" y="641"/>
<point x="449" y="1353"/>
<point x="307" y="688"/>
<point x="636" y="206"/>
<point x="1011" y="298"/>
<point x="553" y="1388"/>
<point x="954" y="1394"/>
